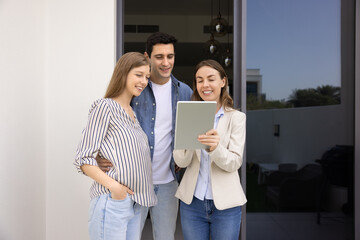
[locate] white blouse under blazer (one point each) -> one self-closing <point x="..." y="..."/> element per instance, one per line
<point x="225" y="159"/>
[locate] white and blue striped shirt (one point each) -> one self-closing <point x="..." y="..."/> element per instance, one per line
<point x="112" y="133"/>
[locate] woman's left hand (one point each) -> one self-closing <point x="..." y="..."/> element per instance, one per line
<point x="210" y="138"/>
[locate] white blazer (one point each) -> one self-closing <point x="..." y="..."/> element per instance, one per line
<point x="225" y="159"/>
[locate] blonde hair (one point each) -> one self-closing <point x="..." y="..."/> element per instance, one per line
<point x="225" y="98"/>
<point x="125" y="64"/>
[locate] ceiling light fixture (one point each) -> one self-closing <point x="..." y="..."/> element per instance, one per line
<point x="227" y="58"/>
<point x="219" y="25"/>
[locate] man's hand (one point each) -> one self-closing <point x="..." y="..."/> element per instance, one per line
<point x="103" y="163"/>
<point x="177" y="168"/>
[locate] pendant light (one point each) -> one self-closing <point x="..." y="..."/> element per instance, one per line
<point x="227" y="58"/>
<point x="212" y="47"/>
<point x="218" y="25"/>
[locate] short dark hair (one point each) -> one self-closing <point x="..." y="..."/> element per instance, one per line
<point x="157" y="38"/>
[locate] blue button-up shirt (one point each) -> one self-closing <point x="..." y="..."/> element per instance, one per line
<point x="203" y="184"/>
<point x="145" y="110"/>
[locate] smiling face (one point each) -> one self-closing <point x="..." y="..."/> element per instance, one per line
<point x="209" y="84"/>
<point x="137" y="80"/>
<point x="162" y="61"/>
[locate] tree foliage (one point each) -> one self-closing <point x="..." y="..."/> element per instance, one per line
<point x="320" y="96"/>
<point x="254" y="103"/>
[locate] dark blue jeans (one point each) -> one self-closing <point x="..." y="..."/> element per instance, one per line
<point x="201" y="219"/>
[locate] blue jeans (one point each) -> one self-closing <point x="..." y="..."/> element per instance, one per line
<point x="111" y="219"/>
<point x="164" y="213"/>
<point x="201" y="219"/>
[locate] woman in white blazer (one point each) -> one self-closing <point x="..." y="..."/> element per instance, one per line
<point x="210" y="192"/>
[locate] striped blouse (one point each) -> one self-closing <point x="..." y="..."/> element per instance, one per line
<point x="112" y="133"/>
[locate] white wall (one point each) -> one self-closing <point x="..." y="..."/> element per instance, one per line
<point x="80" y="60"/>
<point x="56" y="57"/>
<point x="22" y="119"/>
<point x="305" y="133"/>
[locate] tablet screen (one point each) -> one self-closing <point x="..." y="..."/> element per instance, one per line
<point x="193" y="118"/>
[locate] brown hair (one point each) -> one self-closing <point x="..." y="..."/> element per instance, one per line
<point x="225" y="98"/>
<point x="158" y="38"/>
<point x="126" y="63"/>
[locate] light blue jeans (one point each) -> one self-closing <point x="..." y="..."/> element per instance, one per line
<point x="201" y="219"/>
<point x="164" y="213"/>
<point x="111" y="219"/>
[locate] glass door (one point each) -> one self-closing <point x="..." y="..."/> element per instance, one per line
<point x="300" y="149"/>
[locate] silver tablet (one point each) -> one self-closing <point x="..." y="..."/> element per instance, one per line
<point x="193" y="118"/>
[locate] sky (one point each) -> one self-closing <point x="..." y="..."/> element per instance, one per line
<point x="295" y="44"/>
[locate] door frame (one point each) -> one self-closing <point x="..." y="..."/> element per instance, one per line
<point x="239" y="83"/>
<point x="357" y="121"/>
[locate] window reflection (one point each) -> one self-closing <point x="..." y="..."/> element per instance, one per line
<point x="296" y="124"/>
<point x="296" y="47"/>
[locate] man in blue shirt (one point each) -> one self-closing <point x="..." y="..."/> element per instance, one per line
<point x="155" y="109"/>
